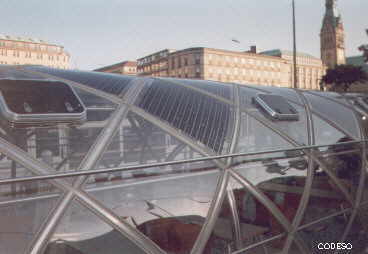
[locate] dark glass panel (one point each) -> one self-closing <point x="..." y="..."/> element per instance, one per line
<point x="110" y="83"/>
<point x="335" y="112"/>
<point x="199" y="116"/>
<point x="93" y="101"/>
<point x="217" y="88"/>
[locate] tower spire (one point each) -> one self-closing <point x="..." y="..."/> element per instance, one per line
<point x="332" y="36"/>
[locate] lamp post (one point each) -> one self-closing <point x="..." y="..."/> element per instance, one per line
<point x="294" y="47"/>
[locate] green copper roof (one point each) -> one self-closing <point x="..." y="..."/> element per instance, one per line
<point x="280" y="53"/>
<point x="357" y="60"/>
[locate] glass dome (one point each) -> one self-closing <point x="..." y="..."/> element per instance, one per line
<point x="161" y="165"/>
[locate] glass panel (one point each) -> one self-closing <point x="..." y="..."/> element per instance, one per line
<point x="10" y="169"/>
<point x="336" y="96"/>
<point x="324" y="133"/>
<point x="169" y="208"/>
<point x="335" y="112"/>
<point x="246" y="95"/>
<point x="8" y="72"/>
<point x="24" y="207"/>
<point x="61" y="147"/>
<point x="93" y="101"/>
<point x="201" y="117"/>
<point x="217" y="88"/>
<point x="365" y="191"/>
<point x="254" y="137"/>
<point x="140" y="142"/>
<point x="255" y="221"/>
<point x="319" y="236"/>
<point x="107" y="82"/>
<point x="279" y="177"/>
<point x="297" y="130"/>
<point x="358" y="234"/>
<point x="82" y="232"/>
<point x="272" y="247"/>
<point x="344" y="161"/>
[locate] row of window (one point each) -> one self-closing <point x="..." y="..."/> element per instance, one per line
<point x="26" y="54"/>
<point x="154" y="57"/>
<point x="308" y="71"/>
<point x="243" y="60"/>
<point x="18" y="63"/>
<point x="251" y="72"/>
<point x="178" y="62"/>
<point x="33" y="46"/>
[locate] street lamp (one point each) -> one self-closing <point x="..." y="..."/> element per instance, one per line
<point x="294" y="47"/>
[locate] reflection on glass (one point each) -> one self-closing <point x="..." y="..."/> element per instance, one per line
<point x="23" y="209"/>
<point x="330" y="231"/>
<point x="169" y="208"/>
<point x="255" y="137"/>
<point x="82" y="232"/>
<point x="256" y="223"/>
<point x="138" y="141"/>
<point x="337" y="113"/>
<point x="281" y="179"/>
<point x="344" y="162"/>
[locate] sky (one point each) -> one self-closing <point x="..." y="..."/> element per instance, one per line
<point x="97" y="33"/>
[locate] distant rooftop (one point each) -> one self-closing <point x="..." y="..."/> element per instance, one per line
<point x="121" y="64"/>
<point x="23" y="39"/>
<point x="280" y="52"/>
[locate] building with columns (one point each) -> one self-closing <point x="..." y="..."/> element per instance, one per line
<point x="18" y="51"/>
<point x="332" y="36"/>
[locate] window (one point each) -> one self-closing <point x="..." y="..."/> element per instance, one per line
<point x="197" y="59"/>
<point x="185" y="61"/>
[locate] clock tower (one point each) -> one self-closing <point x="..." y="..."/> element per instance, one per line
<point x="332" y="36"/>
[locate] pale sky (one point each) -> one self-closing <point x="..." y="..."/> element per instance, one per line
<point x="102" y="32"/>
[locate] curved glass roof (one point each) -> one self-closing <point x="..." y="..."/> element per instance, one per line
<point x="166" y="165"/>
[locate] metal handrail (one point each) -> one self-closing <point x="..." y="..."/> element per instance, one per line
<point x="160" y="164"/>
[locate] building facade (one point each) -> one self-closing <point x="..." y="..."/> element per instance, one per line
<point x="126" y="68"/>
<point x="309" y="68"/>
<point x="18" y="51"/>
<point x="332" y="36"/>
<point x="272" y="68"/>
<point x="155" y="65"/>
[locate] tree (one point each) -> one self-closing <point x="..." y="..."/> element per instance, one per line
<point x="364" y="49"/>
<point x="343" y="76"/>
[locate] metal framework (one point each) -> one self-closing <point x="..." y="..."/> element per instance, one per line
<point x="223" y="162"/>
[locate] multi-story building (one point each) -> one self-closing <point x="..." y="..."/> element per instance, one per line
<point x="272" y="68"/>
<point x="227" y="66"/>
<point x="155" y="65"/>
<point x="309" y="68"/>
<point x="17" y="50"/>
<point x="126" y="67"/>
